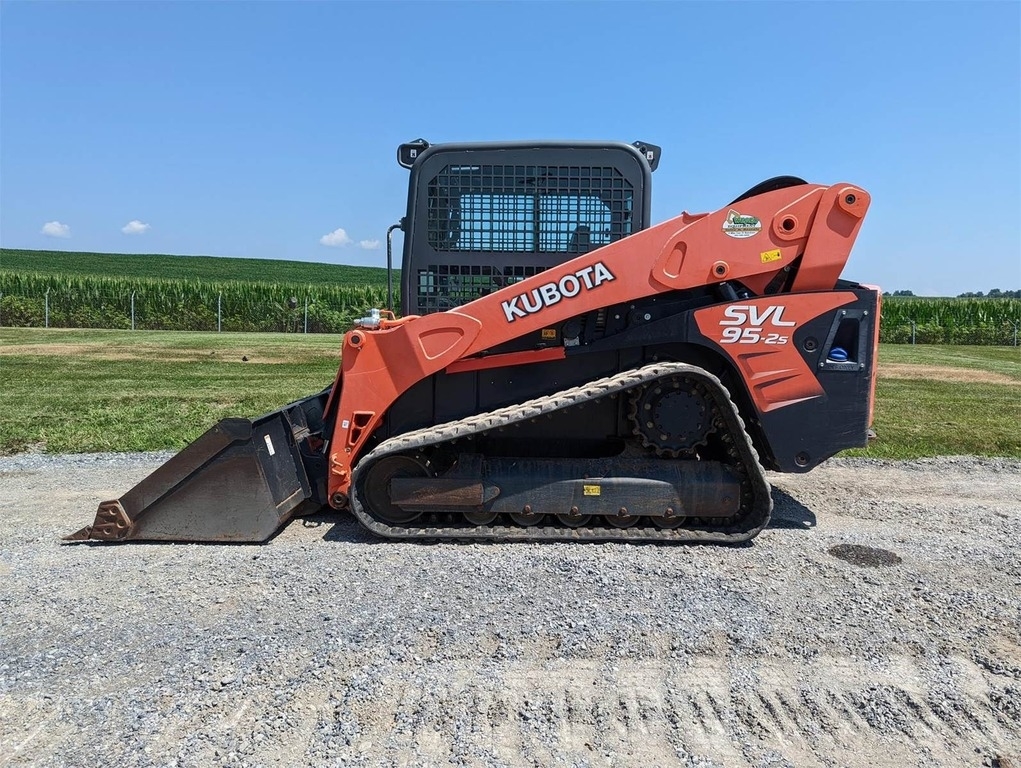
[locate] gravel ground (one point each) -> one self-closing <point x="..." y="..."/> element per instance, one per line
<point x="328" y="647"/>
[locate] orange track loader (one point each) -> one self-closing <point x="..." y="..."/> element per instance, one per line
<point x="560" y="369"/>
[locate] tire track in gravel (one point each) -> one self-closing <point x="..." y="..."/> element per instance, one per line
<point x="517" y="713"/>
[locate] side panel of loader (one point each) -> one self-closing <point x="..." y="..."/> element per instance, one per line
<point x="686" y="253"/>
<point x="833" y="397"/>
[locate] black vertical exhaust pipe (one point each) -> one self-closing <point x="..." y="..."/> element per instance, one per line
<point x="390" y="263"/>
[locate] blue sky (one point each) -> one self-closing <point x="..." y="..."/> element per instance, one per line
<point x="254" y="129"/>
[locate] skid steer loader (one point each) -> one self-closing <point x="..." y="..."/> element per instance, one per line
<point x="559" y="368"/>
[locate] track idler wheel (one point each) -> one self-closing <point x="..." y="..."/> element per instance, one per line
<point x="526" y="517"/>
<point x="669" y="521"/>
<point x="480" y="517"/>
<point x="622" y="519"/>
<point x="377" y="488"/>
<point x="574" y="520"/>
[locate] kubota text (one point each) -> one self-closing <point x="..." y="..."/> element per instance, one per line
<point x="549" y="294"/>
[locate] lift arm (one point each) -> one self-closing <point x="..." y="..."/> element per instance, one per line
<point x="750" y="241"/>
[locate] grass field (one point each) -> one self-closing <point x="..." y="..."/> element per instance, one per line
<point x="947" y="400"/>
<point x="88" y="390"/>
<point x="210" y="269"/>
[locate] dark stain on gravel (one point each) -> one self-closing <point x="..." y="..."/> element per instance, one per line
<point x="856" y="554"/>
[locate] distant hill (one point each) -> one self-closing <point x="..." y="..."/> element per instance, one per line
<point x="204" y="268"/>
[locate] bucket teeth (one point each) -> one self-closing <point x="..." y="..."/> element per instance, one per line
<point x="111" y="524"/>
<point x="82" y="535"/>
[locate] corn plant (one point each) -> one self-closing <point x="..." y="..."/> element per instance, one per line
<point x="106" y="302"/>
<point x="950" y="321"/>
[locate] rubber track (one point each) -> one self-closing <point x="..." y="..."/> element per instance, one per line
<point x="753" y="519"/>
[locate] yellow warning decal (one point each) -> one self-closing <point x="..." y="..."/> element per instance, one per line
<point x="592" y="490"/>
<point x="549" y="333"/>
<point x="768" y="256"/>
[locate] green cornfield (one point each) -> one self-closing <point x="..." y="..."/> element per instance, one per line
<point x="63" y="301"/>
<point x="950" y="321"/>
<point x="95" y="301"/>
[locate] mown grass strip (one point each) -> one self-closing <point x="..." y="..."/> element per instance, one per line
<point x="946" y="400"/>
<point x="1002" y="360"/>
<point x="169" y="345"/>
<point x="84" y="391"/>
<point x="89" y="390"/>
<point x="920" y="417"/>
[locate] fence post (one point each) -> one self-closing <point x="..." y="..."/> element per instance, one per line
<point x="1" y="306"/>
<point x="219" y="316"/>
<point x="47" y="308"/>
<point x="1016" y="324"/>
<point x="306" y="314"/>
<point x="912" y="332"/>
<point x="132" y="310"/>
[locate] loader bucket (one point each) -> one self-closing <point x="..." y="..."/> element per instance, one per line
<point x="238" y="482"/>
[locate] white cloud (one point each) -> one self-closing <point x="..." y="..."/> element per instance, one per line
<point x="135" y="227"/>
<point x="369" y="245"/>
<point x="56" y="229"/>
<point x="336" y="238"/>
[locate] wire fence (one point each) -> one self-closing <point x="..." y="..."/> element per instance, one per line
<point x="313" y="312"/>
<point x="222" y="311"/>
<point x="990" y="334"/>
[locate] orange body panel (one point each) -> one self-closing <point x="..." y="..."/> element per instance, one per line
<point x="757" y="335"/>
<point x="750" y="241"/>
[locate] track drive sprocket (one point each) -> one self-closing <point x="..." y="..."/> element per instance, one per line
<point x="672" y="416"/>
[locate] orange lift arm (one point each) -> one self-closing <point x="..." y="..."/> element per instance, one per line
<point x="749" y="241"/>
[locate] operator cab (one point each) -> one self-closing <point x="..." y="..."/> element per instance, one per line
<point x="482" y="216"/>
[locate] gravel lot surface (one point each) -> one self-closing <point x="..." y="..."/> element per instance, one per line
<point x="327" y="646"/>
